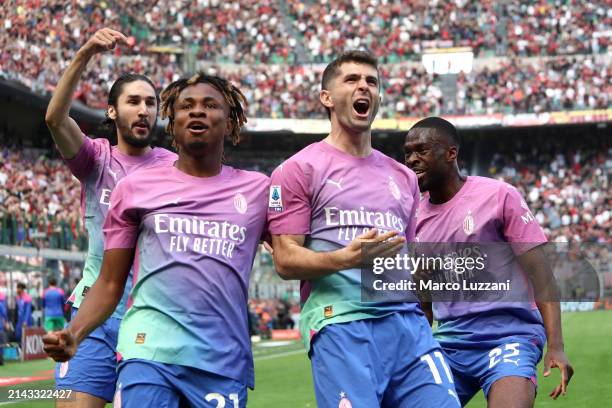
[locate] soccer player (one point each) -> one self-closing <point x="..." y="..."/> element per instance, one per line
<point x="191" y="231"/>
<point x="496" y="345"/>
<point x="53" y="303"/>
<point x="326" y="201"/>
<point x="131" y="116"/>
<point x="23" y="303"/>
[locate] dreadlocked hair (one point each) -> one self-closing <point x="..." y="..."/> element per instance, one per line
<point x="234" y="98"/>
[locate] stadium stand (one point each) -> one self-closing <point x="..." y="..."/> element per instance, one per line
<point x="289" y="37"/>
<point x="39" y="202"/>
<point x="530" y="58"/>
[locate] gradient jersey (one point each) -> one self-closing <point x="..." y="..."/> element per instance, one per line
<point x="53" y="301"/>
<point x="332" y="197"/>
<point x="486" y="211"/>
<point x="195" y="241"/>
<point x="99" y="166"/>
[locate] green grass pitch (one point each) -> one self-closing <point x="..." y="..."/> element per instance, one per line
<point x="282" y="374"/>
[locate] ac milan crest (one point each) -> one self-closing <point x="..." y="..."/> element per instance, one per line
<point x="394" y="189"/>
<point x="468" y="224"/>
<point x="240" y="203"/>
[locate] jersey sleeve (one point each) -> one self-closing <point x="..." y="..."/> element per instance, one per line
<point x="123" y="219"/>
<point x="289" y="208"/>
<point x="87" y="158"/>
<point x="520" y="227"/>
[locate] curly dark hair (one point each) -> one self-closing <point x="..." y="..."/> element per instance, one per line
<point x="234" y="98"/>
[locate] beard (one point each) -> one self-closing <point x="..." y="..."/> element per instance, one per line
<point x="127" y="132"/>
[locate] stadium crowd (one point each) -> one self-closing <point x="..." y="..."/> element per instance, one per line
<point x="39" y="202"/>
<point x="40" y="36"/>
<point x="566" y="186"/>
<point x="397" y="30"/>
<point x="536" y="86"/>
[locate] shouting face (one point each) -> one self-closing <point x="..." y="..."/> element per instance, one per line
<point x="353" y="96"/>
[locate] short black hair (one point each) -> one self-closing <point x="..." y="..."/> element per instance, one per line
<point x="333" y="69"/>
<point x="52" y="281"/>
<point x="21" y="285"/>
<point x="442" y="127"/>
<point x="360" y="57"/>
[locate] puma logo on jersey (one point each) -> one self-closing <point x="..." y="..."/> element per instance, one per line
<point x="112" y="173"/>
<point x="172" y="202"/>
<point x="334" y="183"/>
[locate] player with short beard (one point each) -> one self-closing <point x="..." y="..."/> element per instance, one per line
<point x="184" y="340"/>
<point x="131" y="116"/>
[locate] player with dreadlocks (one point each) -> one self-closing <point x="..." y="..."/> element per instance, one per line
<point x="191" y="230"/>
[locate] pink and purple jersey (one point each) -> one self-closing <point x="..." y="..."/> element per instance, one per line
<point x="332" y="197"/>
<point x="486" y="211"/>
<point x="99" y="166"/>
<point x="195" y="240"/>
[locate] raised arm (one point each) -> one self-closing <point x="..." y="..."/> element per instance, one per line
<point x="65" y="131"/>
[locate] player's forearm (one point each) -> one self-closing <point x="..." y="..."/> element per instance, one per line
<point x="105" y="294"/>
<point x="535" y="264"/>
<point x="551" y="315"/>
<point x="302" y="263"/>
<point x="59" y="105"/>
<point x="65" y="132"/>
<point x="97" y="307"/>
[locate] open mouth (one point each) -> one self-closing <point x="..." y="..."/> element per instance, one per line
<point x="419" y="172"/>
<point x="361" y="107"/>
<point x="141" y="127"/>
<point x="197" y="127"/>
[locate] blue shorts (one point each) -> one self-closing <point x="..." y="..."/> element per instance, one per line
<point x="144" y="383"/>
<point x="478" y="367"/>
<point x="93" y="369"/>
<point x="392" y="361"/>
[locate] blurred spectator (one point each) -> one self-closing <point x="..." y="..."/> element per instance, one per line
<point x="53" y="303"/>
<point x="4" y="325"/>
<point x="539" y="86"/>
<point x="567" y="187"/>
<point x="23" y="303"/>
<point x="40" y="37"/>
<point x="39" y="202"/>
<point x="270" y="314"/>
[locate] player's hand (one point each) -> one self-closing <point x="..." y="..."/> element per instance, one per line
<point x="103" y="40"/>
<point x="60" y="345"/>
<point x="557" y="358"/>
<point x="387" y="244"/>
